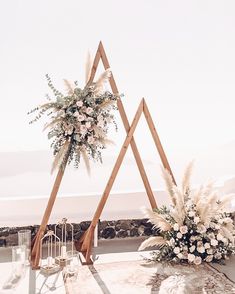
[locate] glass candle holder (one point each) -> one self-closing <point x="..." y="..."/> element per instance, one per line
<point x="24" y="238"/>
<point x="18" y="260"/>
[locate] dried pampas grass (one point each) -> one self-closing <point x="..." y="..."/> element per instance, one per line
<point x="60" y="156"/>
<point x="103" y="78"/>
<point x="86" y="160"/>
<point x="186" y="178"/>
<point x="169" y="184"/>
<point x="69" y="87"/>
<point x="152" y="241"/>
<point x="156" y="219"/>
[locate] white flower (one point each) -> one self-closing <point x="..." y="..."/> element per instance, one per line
<point x="192" y="248"/>
<point x="176" y="250"/>
<point x="100" y="117"/>
<point x="100" y="124"/>
<point x="183" y="229"/>
<point x="179" y="235"/>
<point x="219" y="237"/>
<point x="209" y="258"/>
<point x="217" y="227"/>
<point x="191" y="257"/>
<point x="196" y="219"/>
<point x="192" y="238"/>
<point x="198" y="260"/>
<point x="207" y="245"/>
<point x="79" y="103"/>
<point x="201" y="249"/>
<point x="201" y="229"/>
<point x="180" y="256"/>
<point x="172" y="241"/>
<point x="225" y="241"/>
<point x="89" y="110"/>
<point x="88" y="124"/>
<point x="209" y="251"/>
<point x="199" y="243"/>
<point x="211" y="235"/>
<point x="214" y="242"/>
<point x="191" y="213"/>
<point x="80" y="117"/>
<point x="218" y="255"/>
<point x="90" y="140"/>
<point x="176" y="227"/>
<point x="83" y="129"/>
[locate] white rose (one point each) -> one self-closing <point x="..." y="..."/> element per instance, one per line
<point x="89" y="110"/>
<point x="201" y="229"/>
<point x="80" y="117"/>
<point x="179" y="235"/>
<point x="196" y="219"/>
<point x="218" y="255"/>
<point x="88" y="124"/>
<point x="191" y="257"/>
<point x="192" y="238"/>
<point x="214" y="242"/>
<point x="79" y="103"/>
<point x="192" y="248"/>
<point x="209" y="251"/>
<point x="199" y="243"/>
<point x="198" y="260"/>
<point x="183" y="229"/>
<point x="83" y="129"/>
<point x="176" y="250"/>
<point x="209" y="258"/>
<point x="225" y="241"/>
<point x="219" y="237"/>
<point x="207" y="245"/>
<point x="180" y="256"/>
<point x="176" y="227"/>
<point x="100" y="124"/>
<point x="172" y="241"/>
<point x="191" y="213"/>
<point x="217" y="227"/>
<point x="90" y="140"/>
<point x="201" y="249"/>
<point x="211" y="235"/>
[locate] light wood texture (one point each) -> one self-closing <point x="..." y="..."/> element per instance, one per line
<point x="35" y="254"/>
<point x="157" y="141"/>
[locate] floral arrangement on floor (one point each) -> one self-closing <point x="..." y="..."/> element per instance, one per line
<point x="79" y="120"/>
<point x="195" y="229"/>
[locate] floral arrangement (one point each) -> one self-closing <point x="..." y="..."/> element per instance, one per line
<point x="195" y="229"/>
<point x="79" y="120"/>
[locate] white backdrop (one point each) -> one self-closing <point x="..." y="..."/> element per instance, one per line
<point x="179" y="55"/>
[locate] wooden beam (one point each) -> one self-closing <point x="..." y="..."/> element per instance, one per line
<point x="157" y="141"/>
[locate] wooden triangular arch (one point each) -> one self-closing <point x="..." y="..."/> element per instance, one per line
<point x="85" y="243"/>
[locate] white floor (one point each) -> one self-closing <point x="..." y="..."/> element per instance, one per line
<point x="108" y="251"/>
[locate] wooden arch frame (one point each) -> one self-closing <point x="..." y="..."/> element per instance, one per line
<point x="85" y="243"/>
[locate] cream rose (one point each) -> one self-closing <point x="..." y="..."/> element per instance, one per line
<point x="176" y="227"/>
<point x="183" y="229"/>
<point x="214" y="242"/>
<point x="198" y="260"/>
<point x="191" y="257"/>
<point x="176" y="250"/>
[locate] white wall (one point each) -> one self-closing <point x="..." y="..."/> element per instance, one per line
<point x="177" y="54"/>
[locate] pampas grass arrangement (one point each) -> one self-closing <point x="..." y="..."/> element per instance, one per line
<point x="197" y="228"/>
